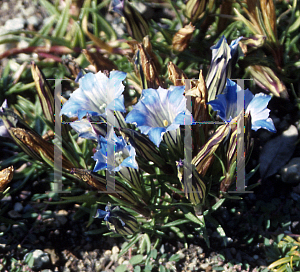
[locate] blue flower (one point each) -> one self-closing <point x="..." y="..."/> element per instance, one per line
<point x="159" y="111"/>
<point x="95" y="94"/>
<point x="103" y="214"/>
<point x="226" y="106"/>
<point x="84" y="129"/>
<point x="118" y="220"/>
<point x="260" y="113"/>
<point x="124" y="155"/>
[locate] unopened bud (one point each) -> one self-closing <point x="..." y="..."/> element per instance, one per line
<point x="194" y="8"/>
<point x="182" y="38"/>
<point x="176" y="75"/>
<point x="267" y="80"/>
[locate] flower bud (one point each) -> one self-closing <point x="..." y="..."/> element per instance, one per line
<point x="35" y="144"/>
<point x="145" y="67"/>
<point x="176" y="75"/>
<point x="267" y="80"/>
<point x="136" y="25"/>
<point x="254" y="42"/>
<point x="44" y="92"/>
<point x="205" y="157"/>
<point x="194" y="8"/>
<point x="182" y="38"/>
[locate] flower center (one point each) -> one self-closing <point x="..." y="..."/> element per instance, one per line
<point x="119" y="158"/>
<point x="165" y="122"/>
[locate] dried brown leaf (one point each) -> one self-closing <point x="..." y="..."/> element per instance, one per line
<point x="6" y="176"/>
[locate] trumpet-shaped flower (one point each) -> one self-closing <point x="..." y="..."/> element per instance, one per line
<point x="118" y="220"/>
<point x="159" y="111"/>
<point x="256" y="105"/>
<point x="95" y="94"/>
<point x="124" y="155"/>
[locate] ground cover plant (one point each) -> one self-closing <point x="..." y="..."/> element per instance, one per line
<point x="128" y="125"/>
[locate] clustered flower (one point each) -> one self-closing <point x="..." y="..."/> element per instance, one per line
<point x="158" y="111"/>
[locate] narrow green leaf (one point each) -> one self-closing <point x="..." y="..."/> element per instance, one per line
<point x="63" y="21"/>
<point x="136" y="259"/>
<point x="129" y="245"/>
<point x="49" y="7"/>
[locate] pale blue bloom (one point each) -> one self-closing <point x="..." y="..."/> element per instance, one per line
<point x="95" y="94"/>
<point x="260" y="113"/>
<point x="226" y="106"/>
<point x="109" y="214"/>
<point x="159" y="111"/>
<point x="84" y="129"/>
<point x="124" y="155"/>
<point x="103" y="214"/>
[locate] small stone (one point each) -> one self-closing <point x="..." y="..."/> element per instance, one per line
<point x="13" y="214"/>
<point x="229" y="240"/>
<point x="23" y="44"/>
<point x="33" y="20"/>
<point x="6" y="199"/>
<point x="3" y="228"/>
<point x="233" y="251"/>
<point x="115" y="250"/>
<point x="107" y="253"/>
<point x="24" y="195"/>
<point x="204" y="265"/>
<point x="121" y="260"/>
<point x="18" y="207"/>
<point x="191" y="266"/>
<point x="61" y="217"/>
<point x="5" y="6"/>
<point x="181" y="254"/>
<point x="114" y="257"/>
<point x="200" y="250"/>
<point x="28" y="11"/>
<point x="255" y="257"/>
<point x="238" y="257"/>
<point x="15" y="24"/>
<point x="291" y="172"/>
<point x="40" y="259"/>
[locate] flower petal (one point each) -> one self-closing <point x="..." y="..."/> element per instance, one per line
<point x="266" y="124"/>
<point x="159" y="111"/>
<point x="156" y="134"/>
<point x="84" y="129"/>
<point x="96" y="91"/>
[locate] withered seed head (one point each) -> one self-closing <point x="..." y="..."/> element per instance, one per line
<point x="182" y="38"/>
